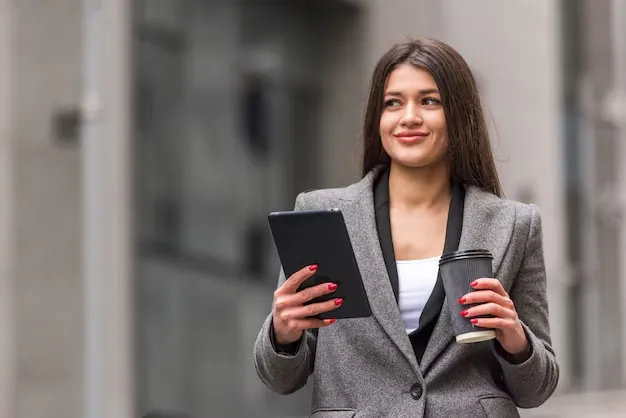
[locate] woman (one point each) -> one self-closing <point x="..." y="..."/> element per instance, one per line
<point x="429" y="186"/>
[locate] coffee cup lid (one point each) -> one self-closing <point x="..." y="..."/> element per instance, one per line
<point x="459" y="255"/>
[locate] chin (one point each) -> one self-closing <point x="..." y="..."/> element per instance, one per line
<point x="416" y="162"/>
<point x="411" y="164"/>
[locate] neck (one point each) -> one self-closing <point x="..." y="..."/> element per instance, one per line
<point x="419" y="188"/>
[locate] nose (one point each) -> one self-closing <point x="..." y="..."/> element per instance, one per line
<point x="411" y="115"/>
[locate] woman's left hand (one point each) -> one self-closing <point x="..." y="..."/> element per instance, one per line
<point x="490" y="298"/>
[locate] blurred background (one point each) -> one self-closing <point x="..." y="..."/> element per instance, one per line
<point x="143" y="142"/>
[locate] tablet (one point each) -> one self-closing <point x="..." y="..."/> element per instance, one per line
<point x="320" y="237"/>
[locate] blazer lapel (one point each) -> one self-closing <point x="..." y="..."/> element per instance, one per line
<point x="361" y="224"/>
<point x="383" y="227"/>
<point x="478" y="232"/>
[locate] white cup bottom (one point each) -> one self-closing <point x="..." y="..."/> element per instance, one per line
<point x="475" y="337"/>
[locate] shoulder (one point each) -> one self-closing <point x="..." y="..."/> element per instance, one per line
<point x="337" y="196"/>
<point x="526" y="215"/>
<point x="321" y="198"/>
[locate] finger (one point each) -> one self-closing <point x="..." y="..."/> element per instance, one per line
<point x="306" y="311"/>
<point x="284" y="301"/>
<point x="310" y="323"/>
<point x="494" y="309"/>
<point x="295" y="280"/>
<point x="313" y="292"/>
<point x="485" y="296"/>
<point x="489" y="284"/>
<point x="495" y="323"/>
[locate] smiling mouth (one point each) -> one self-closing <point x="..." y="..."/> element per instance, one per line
<point x="411" y="136"/>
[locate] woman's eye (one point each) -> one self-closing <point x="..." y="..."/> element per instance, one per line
<point x="429" y="101"/>
<point x="392" y="103"/>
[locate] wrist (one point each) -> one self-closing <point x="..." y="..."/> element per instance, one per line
<point x="520" y="357"/>
<point x="285" y="341"/>
<point x="516" y="353"/>
<point x="282" y="344"/>
<point x="523" y="346"/>
<point x="521" y="351"/>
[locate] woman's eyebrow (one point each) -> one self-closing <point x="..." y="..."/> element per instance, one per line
<point x="422" y="92"/>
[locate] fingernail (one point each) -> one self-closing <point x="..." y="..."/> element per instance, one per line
<point x="332" y="286"/>
<point x="313" y="267"/>
<point x="331" y="321"/>
<point x="463" y="313"/>
<point x="474" y="283"/>
<point x="462" y="300"/>
<point x="338" y="301"/>
<point x="474" y="321"/>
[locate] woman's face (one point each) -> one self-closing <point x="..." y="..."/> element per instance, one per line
<point x="413" y="124"/>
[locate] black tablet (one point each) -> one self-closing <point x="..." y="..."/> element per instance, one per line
<point x="320" y="237"/>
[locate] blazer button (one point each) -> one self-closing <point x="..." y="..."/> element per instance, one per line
<point x="416" y="391"/>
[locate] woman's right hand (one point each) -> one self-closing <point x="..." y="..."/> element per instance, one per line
<point x="291" y="316"/>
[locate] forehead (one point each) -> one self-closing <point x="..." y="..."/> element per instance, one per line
<point x="407" y="78"/>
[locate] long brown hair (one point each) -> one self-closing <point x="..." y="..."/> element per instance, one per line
<point x="469" y="149"/>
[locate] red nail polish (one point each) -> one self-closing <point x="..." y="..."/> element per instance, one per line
<point x="313" y="267"/>
<point x="332" y="286"/>
<point x="462" y="300"/>
<point x="463" y="313"/>
<point x="474" y="321"/>
<point x="338" y="301"/>
<point x="331" y="321"/>
<point x="474" y="283"/>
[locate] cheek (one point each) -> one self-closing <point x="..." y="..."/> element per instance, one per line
<point x="386" y="128"/>
<point x="386" y="124"/>
<point x="441" y="144"/>
<point x="437" y="122"/>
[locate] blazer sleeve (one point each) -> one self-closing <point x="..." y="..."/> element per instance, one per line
<point x="532" y="381"/>
<point x="281" y="371"/>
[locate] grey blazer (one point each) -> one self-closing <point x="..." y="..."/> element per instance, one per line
<point x="366" y="367"/>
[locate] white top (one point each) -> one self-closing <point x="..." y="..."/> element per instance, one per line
<point x="416" y="280"/>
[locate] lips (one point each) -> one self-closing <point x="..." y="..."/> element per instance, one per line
<point x="410" y="136"/>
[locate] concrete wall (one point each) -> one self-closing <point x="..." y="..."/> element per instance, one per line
<point x="40" y="219"/>
<point x="7" y="319"/>
<point x="602" y="283"/>
<point x="619" y="45"/>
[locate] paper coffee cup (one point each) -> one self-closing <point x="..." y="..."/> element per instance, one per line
<point x="458" y="270"/>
